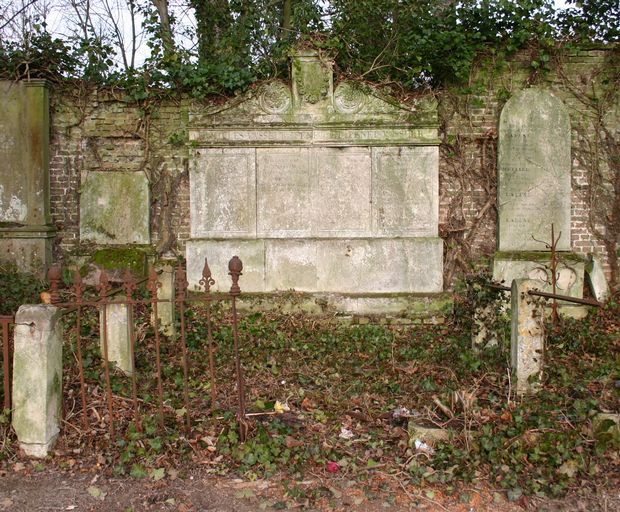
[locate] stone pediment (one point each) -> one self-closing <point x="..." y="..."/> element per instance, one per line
<point x="311" y="110"/>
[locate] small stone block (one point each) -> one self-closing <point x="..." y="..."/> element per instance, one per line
<point x="119" y="322"/>
<point x="165" y="293"/>
<point x="598" y="281"/>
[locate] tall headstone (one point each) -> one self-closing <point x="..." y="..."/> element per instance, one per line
<point x="534" y="193"/>
<point x="26" y="232"/>
<point x="534" y="164"/>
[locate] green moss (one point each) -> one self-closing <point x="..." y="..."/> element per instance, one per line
<point x="134" y="259"/>
<point x="537" y="256"/>
<point x="56" y="388"/>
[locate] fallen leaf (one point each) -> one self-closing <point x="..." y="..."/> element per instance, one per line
<point x="569" y="468"/>
<point x="291" y="442"/>
<point x="245" y="493"/>
<point x="6" y="503"/>
<point x="158" y="474"/>
<point x="332" y="467"/>
<point x="96" y="493"/>
<point x="308" y="404"/>
<point x="279" y="407"/>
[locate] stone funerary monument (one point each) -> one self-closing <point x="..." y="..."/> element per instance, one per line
<point x="534" y="192"/>
<point x="316" y="188"/>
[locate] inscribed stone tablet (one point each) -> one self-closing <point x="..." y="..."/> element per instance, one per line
<point x="284" y="192"/>
<point x="342" y="199"/>
<point x="223" y="193"/>
<point x="114" y="208"/>
<point x="405" y="191"/>
<point x="534" y="189"/>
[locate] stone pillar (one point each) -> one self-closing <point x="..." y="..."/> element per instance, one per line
<point x="26" y="233"/>
<point x="119" y="321"/>
<point x="165" y="310"/>
<point x="527" y="339"/>
<point x="37" y="378"/>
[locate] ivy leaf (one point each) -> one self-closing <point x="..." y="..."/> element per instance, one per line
<point x="514" y="494"/>
<point x="158" y="474"/>
<point x="372" y="464"/>
<point x="569" y="468"/>
<point x="96" y="492"/>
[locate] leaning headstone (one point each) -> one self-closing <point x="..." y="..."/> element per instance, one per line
<point x="118" y="324"/>
<point x="37" y="378"/>
<point x="534" y="165"/>
<point x="527" y="337"/>
<point x="598" y="281"/>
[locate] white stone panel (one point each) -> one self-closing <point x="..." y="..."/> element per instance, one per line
<point x="355" y="265"/>
<point x="342" y="202"/>
<point x="405" y="191"/>
<point x="219" y="253"/>
<point x="285" y="180"/>
<point x="223" y="193"/>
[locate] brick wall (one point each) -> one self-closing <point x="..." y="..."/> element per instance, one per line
<point x="103" y="131"/>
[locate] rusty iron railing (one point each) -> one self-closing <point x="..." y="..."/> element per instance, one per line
<point x="5" y="324"/>
<point x="555" y="296"/>
<point x="180" y="298"/>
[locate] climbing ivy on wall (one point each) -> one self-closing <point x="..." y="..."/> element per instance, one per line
<point x="414" y="43"/>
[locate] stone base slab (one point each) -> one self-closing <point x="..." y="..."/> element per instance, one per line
<point x="345" y="266"/>
<point x="387" y="309"/>
<point x="535" y="266"/>
<point x="28" y="247"/>
<point x="38" y="450"/>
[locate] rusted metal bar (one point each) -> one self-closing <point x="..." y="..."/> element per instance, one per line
<point x="181" y="289"/>
<point x="6" y="321"/>
<point x="235" y="266"/>
<point x="104" y="288"/>
<point x="567" y="298"/>
<point x="78" y="289"/>
<point x="130" y="285"/>
<point x="153" y="285"/>
<point x="207" y="281"/>
<point x="554" y="275"/>
<point x="54" y="276"/>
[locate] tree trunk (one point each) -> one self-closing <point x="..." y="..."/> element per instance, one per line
<point x="165" y="29"/>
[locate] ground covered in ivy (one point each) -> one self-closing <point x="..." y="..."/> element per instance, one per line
<point x="333" y="410"/>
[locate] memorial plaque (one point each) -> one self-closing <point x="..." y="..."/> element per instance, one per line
<point x="342" y="200"/>
<point x="534" y="164"/>
<point x="284" y="194"/>
<point x="405" y="188"/>
<point x="114" y="208"/>
<point x="223" y="194"/>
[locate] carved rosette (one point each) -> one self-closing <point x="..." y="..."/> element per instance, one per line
<point x="349" y="99"/>
<point x="275" y="98"/>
